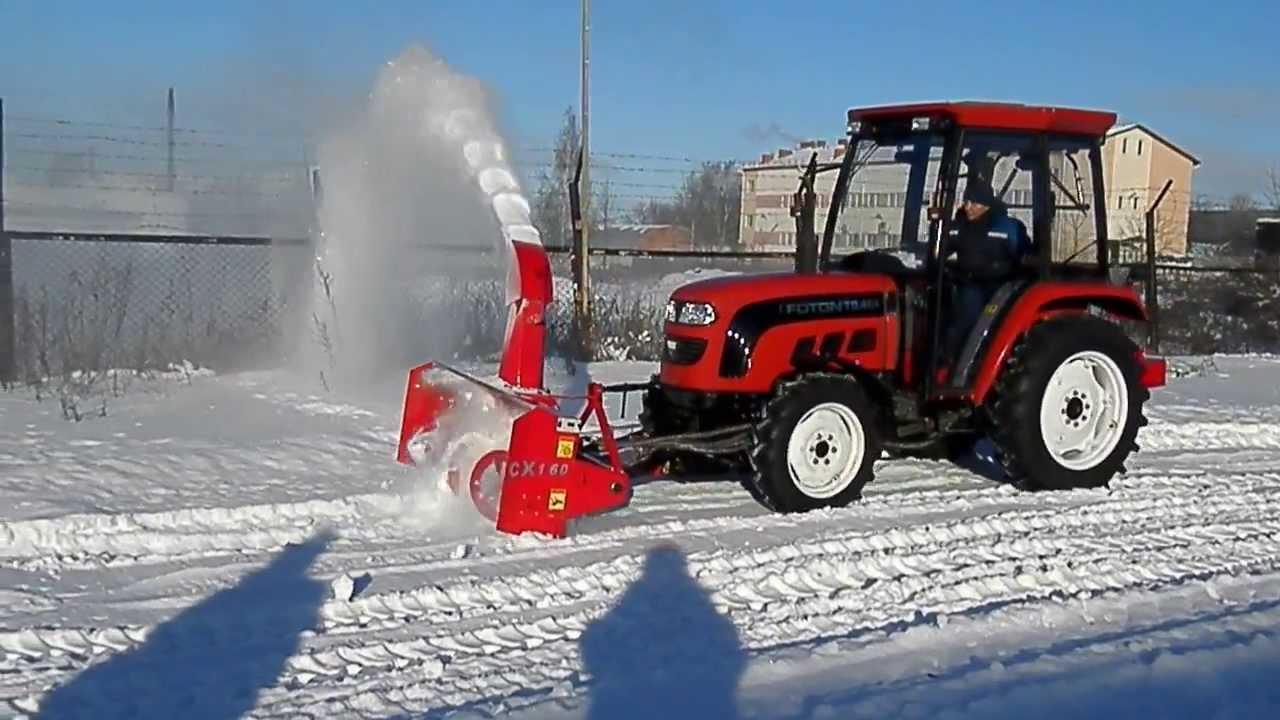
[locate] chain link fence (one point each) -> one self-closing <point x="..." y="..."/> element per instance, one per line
<point x="1198" y="310"/>
<point x="99" y="302"/>
<point x="629" y="295"/>
<point x="93" y="303"/>
<point x="1219" y="309"/>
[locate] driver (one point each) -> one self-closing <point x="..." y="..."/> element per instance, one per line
<point x="989" y="247"/>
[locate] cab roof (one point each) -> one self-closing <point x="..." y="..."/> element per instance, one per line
<point x="997" y="116"/>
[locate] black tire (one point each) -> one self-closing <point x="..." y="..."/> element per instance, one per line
<point x="771" y="480"/>
<point x="658" y="417"/>
<point x="1020" y="390"/>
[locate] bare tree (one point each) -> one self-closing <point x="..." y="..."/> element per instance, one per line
<point x="1241" y="202"/>
<point x="1237" y="225"/>
<point x="601" y="209"/>
<point x="550" y="207"/>
<point x="1272" y="190"/>
<point x="551" y="200"/>
<point x="709" y="203"/>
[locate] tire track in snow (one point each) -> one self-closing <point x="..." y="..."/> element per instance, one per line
<point x="450" y="603"/>
<point x="189" y="530"/>
<point x="93" y="540"/>
<point x="804" y="603"/>
<point x="1191" y="436"/>
<point x="820" y="581"/>
<point x="135" y="536"/>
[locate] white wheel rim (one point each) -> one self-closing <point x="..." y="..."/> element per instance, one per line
<point x="825" y="450"/>
<point x="1084" y="410"/>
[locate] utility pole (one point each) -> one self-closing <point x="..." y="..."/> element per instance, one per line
<point x="582" y="269"/>
<point x="169" y="140"/>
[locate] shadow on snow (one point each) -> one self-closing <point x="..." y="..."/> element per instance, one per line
<point x="663" y="651"/>
<point x="210" y="661"/>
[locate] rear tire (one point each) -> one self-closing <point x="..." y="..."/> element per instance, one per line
<point x="815" y="444"/>
<point x="1068" y="405"/>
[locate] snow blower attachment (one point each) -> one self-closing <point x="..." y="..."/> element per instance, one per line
<point x="531" y="475"/>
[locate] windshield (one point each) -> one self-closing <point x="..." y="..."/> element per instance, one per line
<point x="884" y="206"/>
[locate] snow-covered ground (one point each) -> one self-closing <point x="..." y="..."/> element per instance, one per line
<point x="180" y="557"/>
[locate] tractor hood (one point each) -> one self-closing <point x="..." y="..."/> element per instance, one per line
<point x="729" y="294"/>
<point x="739" y="333"/>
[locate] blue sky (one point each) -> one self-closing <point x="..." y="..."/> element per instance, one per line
<point x="705" y="79"/>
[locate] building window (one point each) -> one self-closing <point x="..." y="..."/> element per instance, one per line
<point x="1124" y="145"/>
<point x="1135" y="202"/>
<point x="1139" y="147"/>
<point x="1120" y="203"/>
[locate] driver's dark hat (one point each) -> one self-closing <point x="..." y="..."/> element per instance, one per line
<point x="979" y="192"/>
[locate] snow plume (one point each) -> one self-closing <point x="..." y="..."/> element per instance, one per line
<point x="423" y="166"/>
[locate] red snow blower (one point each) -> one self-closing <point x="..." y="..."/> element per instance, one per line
<point x="797" y="382"/>
<point x="542" y="478"/>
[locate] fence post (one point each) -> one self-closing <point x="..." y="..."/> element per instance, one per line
<point x="169" y="116"/>
<point x="581" y="269"/>
<point x="803" y="207"/>
<point x="1153" y="296"/>
<point x="8" y="361"/>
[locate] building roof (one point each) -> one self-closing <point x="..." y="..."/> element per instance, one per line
<point x="1122" y="129"/>
<point x="998" y="116"/>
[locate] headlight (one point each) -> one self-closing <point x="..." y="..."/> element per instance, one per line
<point x="696" y="313"/>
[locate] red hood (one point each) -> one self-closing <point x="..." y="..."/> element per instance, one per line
<point x="731" y="292"/>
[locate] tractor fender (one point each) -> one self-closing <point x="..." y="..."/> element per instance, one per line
<point x="1042" y="302"/>
<point x="871" y="382"/>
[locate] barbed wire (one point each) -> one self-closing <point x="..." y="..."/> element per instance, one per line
<point x="263" y="177"/>
<point x="157" y="213"/>
<point x="151" y="191"/>
<point x="178" y="130"/>
<point x="158" y="158"/>
<point x="134" y="142"/>
<point x="190" y="140"/>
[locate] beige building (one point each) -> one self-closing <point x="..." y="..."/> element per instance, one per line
<point x="872" y="217"/>
<point x="1136" y="163"/>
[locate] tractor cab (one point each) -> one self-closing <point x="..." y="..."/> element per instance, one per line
<point x="895" y="210"/>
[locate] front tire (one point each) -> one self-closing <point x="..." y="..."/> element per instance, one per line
<point x="815" y="444"/>
<point x="660" y="417"/>
<point x="1069" y="405"/>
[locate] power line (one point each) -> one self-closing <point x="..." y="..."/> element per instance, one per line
<point x="616" y="183"/>
<point x="629" y="156"/>
<point x="50" y="120"/>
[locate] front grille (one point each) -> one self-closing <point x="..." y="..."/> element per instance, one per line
<point x="683" y="351"/>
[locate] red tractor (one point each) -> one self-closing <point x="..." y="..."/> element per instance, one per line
<point x="800" y="381"/>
